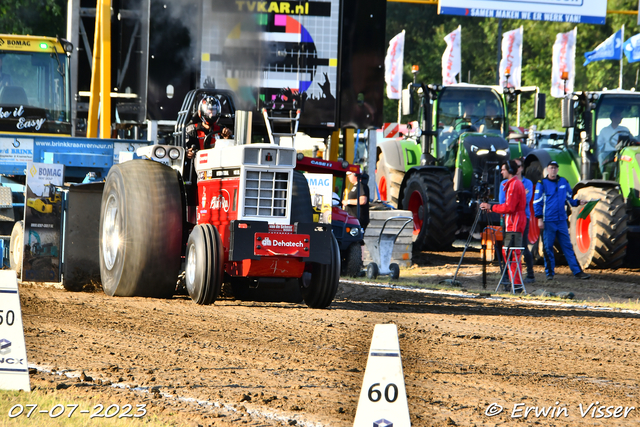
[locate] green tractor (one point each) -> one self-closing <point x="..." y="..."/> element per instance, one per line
<point x="449" y="161"/>
<point x="600" y="161"/>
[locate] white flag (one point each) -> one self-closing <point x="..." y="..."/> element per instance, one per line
<point x="563" y="63"/>
<point x="451" y="64"/>
<point x="393" y="66"/>
<point x="511" y="62"/>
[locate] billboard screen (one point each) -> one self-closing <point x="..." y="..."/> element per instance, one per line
<point x="257" y="49"/>
<point x="575" y="11"/>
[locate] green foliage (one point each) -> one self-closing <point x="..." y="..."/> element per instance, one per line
<point x="424" y="46"/>
<point x="33" y="17"/>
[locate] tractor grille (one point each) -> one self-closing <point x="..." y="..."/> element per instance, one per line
<point x="266" y="194"/>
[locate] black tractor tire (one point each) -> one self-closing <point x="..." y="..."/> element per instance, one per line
<point x="429" y="195"/>
<point x="389" y="181"/>
<point x="319" y="288"/>
<point x="302" y="211"/>
<point x="16" y="247"/>
<point x="372" y="271"/>
<point x="352" y="260"/>
<point x="140" y="230"/>
<point x="203" y="264"/>
<point x="600" y="240"/>
<point x="395" y="271"/>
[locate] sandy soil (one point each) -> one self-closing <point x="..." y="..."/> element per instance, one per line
<point x="265" y="364"/>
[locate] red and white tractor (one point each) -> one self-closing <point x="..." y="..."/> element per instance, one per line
<point x="245" y="219"/>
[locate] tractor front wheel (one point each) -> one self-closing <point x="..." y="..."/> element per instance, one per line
<point x="203" y="269"/>
<point x="320" y="286"/>
<point x="600" y="239"/>
<point x="352" y="260"/>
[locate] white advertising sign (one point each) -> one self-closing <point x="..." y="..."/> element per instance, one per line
<point x="393" y="64"/>
<point x="451" y="58"/>
<point x="42" y="219"/>
<point x="321" y="189"/>
<point x="575" y="11"/>
<point x="511" y="62"/>
<point x="563" y="70"/>
<point x="14" y="373"/>
<point x="16" y="150"/>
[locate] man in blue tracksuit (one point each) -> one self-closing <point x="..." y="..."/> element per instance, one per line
<point x="549" y="206"/>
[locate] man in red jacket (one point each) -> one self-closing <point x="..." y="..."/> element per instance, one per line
<point x="514" y="210"/>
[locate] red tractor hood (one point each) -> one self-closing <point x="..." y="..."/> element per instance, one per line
<point x="339" y="215"/>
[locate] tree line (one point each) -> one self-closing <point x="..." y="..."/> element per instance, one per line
<point x="424" y="46"/>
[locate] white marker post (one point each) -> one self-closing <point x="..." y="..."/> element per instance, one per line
<point x="14" y="373"/>
<point x="383" y="398"/>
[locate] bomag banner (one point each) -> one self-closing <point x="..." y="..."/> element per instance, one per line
<point x="42" y="223"/>
<point x="320" y="187"/>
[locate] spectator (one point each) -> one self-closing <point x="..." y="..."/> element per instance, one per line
<point x="357" y="202"/>
<point x="608" y="138"/>
<point x="528" y="188"/>
<point x="514" y="210"/>
<point x="549" y="205"/>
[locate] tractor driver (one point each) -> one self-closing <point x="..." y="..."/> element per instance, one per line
<point x="608" y="138"/>
<point x="200" y="136"/>
<point x="469" y="120"/>
<point x="492" y="120"/>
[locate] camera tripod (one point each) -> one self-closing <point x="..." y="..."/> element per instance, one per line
<point x="454" y="281"/>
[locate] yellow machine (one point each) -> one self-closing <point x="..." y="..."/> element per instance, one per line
<point x="34" y="85"/>
<point x="48" y="203"/>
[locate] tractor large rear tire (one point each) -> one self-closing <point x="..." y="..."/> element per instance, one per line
<point x="16" y="247"/>
<point x="319" y="287"/>
<point x="140" y="230"/>
<point x="204" y="262"/>
<point x="389" y="181"/>
<point x="600" y="240"/>
<point x="429" y="195"/>
<point x="302" y="210"/>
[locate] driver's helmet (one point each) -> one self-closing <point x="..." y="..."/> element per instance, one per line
<point x="209" y="110"/>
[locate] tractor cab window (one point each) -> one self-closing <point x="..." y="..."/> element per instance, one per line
<point x="616" y="119"/>
<point x="549" y="139"/>
<point x="36" y="92"/>
<point x="463" y="110"/>
<point x="618" y="114"/>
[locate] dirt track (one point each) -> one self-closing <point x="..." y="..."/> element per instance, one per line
<point x="461" y="354"/>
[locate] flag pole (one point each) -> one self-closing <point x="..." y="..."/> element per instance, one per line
<point x="621" y="41"/>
